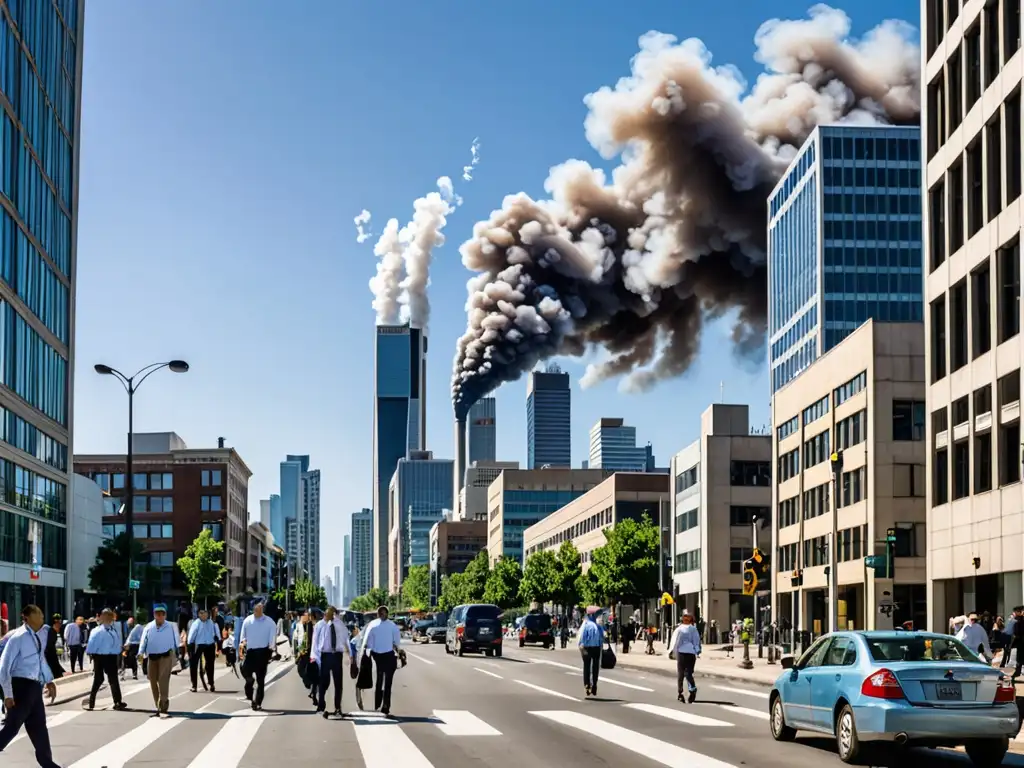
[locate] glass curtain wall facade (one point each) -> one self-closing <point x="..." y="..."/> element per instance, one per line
<point x="422" y="491"/>
<point x="613" y="446"/>
<point x="399" y="423"/>
<point x="844" y="241"/>
<point x="521" y="509"/>
<point x="291" y="508"/>
<point x="483" y="431"/>
<point x="311" y="520"/>
<point x="40" y="76"/>
<point x="362" y="552"/>
<point x="276" y="519"/>
<point x="548" y="419"/>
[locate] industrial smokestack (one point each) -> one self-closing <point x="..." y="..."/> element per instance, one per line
<point x="460" y="462"/>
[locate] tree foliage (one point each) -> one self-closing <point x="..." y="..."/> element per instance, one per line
<point x="453" y="592"/>
<point x="416" y="588"/>
<point x="589" y="588"/>
<point x="310" y="594"/>
<point x="626" y="567"/>
<point x="569" y="568"/>
<point x="502" y="587"/>
<point x="539" y="583"/>
<point x="202" y="566"/>
<point x="109" y="574"/>
<point x="476" y="575"/>
<point x="371" y="601"/>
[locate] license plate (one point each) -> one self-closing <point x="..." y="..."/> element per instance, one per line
<point x="484" y="631"/>
<point x="948" y="692"/>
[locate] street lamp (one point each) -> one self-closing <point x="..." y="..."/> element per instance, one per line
<point x="131" y="385"/>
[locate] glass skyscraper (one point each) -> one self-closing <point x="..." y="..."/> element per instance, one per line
<point x="483" y="431"/>
<point x="548" y="417"/>
<point x="41" y="79"/>
<point x="399" y="422"/>
<point x="362" y="552"/>
<point x="613" y="446"/>
<point x="844" y="241"/>
<point x="291" y="508"/>
<point x="420" y="491"/>
<point x="277" y="526"/>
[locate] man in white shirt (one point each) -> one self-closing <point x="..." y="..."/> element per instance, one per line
<point x="329" y="647"/>
<point x="257" y="639"/>
<point x="202" y="649"/>
<point x="382" y="640"/>
<point x="24" y="674"/>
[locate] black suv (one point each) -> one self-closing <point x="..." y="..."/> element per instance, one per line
<point x="536" y="630"/>
<point x="474" y="628"/>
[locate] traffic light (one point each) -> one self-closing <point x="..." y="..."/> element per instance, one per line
<point x="836" y="460"/>
<point x="750" y="569"/>
<point x="765" y="571"/>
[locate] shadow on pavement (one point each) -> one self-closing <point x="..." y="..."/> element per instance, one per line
<point x="610" y="701"/>
<point x="919" y="758"/>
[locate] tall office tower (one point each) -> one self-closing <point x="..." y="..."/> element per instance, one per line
<point x="339" y="587"/>
<point x="277" y="526"/>
<point x="548" y="405"/>
<point x="346" y="560"/>
<point x="844" y="241"/>
<point x="399" y="422"/>
<point x="362" y="551"/>
<point x="419" y="493"/>
<point x="328" y="584"/>
<point x="291" y="510"/>
<point x="482" y="444"/>
<point x="265" y="513"/>
<point x="973" y="216"/>
<point x="42" y="95"/>
<point x="310" y="520"/>
<point x="613" y="446"/>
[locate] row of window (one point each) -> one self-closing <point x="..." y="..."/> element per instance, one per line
<point x="688" y="561"/>
<point x="893" y="147"/>
<point x="854" y="487"/>
<point x="865" y="192"/>
<point x="967" y="477"/>
<point x="816" y="450"/>
<point x="16" y="547"/>
<point x="844" y="392"/>
<point x="27" y="437"/>
<point x="859" y="230"/>
<point x="686" y="479"/>
<point x="853" y="545"/>
<point x="31" y="367"/>
<point x="141" y="531"/>
<point x="26" y="490"/>
<point x="845" y="284"/>
<point x="789" y="465"/>
<point x="739" y="516"/>
<point x="687" y="520"/>
<point x="788" y="428"/>
<point x="815" y="411"/>
<point x="794" y="174"/>
<point x="750" y="473"/>
<point x="853" y="430"/>
<point x="940" y="15"/>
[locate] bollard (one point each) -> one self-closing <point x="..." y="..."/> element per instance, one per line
<point x="746" y="663"/>
<point x="771" y="653"/>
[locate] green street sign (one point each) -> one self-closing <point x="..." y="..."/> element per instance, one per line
<point x="874" y="561"/>
<point x="133" y="584"/>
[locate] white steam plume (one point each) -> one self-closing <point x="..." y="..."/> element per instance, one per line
<point x="362" y="222"/>
<point x="467" y="171"/>
<point x="386" y="285"/>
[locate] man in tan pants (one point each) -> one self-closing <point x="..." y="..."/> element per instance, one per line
<point x="160" y="647"/>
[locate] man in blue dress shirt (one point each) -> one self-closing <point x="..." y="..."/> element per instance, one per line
<point x="591" y="641"/>
<point x="104" y="649"/>
<point x="159" y="647"/>
<point x="23" y="675"/>
<point x="258" y="638"/>
<point x="202" y="647"/>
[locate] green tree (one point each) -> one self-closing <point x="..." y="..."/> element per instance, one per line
<point x="109" y="574"/>
<point x="588" y="587"/>
<point x="539" y="583"/>
<point x="569" y="567"/>
<point x="416" y="588"/>
<point x="453" y="592"/>
<point x="627" y="566"/>
<point x="476" y="575"/>
<point x="371" y="601"/>
<point x="503" y="583"/>
<point x="202" y="566"/>
<point x="309" y="593"/>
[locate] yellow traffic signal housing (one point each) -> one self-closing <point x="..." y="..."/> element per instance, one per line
<point x="749" y="582"/>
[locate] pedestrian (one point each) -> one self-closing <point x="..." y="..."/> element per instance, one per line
<point x="974" y="636"/>
<point x="202" y="648"/>
<point x="74" y="641"/>
<point x="685" y="648"/>
<point x="24" y="674"/>
<point x="104" y="649"/>
<point x="131" y="658"/>
<point x="328" y="650"/>
<point x="257" y="639"/>
<point x="382" y="640"/>
<point x="50" y="651"/>
<point x="158" y="649"/>
<point x="591" y="641"/>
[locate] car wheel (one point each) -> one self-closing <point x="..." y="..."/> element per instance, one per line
<point x="847" y="740"/>
<point x="780" y="731"/>
<point x="497" y="652"/>
<point x="459" y="650"/>
<point x="987" y="753"/>
<point x="488" y="652"/>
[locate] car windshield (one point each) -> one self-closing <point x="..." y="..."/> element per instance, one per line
<point x="483" y="612"/>
<point x="918" y="648"/>
<point x="538" y="622"/>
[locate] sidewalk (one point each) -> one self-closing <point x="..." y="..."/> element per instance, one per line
<point x="714" y="662"/>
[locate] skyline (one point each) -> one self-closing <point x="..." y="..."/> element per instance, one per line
<point x="270" y="390"/>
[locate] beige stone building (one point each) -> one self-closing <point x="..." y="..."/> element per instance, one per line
<point x="722" y="481"/>
<point x="864" y="397"/>
<point x="972" y="225"/>
<point x="624" y="495"/>
<point x="520" y="498"/>
<point x="453" y="545"/>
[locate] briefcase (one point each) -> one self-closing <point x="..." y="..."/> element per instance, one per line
<point x="608" y="658"/>
<point x="365" y="679"/>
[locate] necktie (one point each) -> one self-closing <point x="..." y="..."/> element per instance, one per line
<point x="39" y="654"/>
<point x="334" y="639"/>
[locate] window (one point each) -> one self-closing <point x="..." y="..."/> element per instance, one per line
<point x="938" y="313"/>
<point x="936" y="115"/>
<point x="161" y="481"/>
<point x="908" y="480"/>
<point x="686" y="479"/>
<point x="789" y="465"/>
<point x="216" y="530"/>
<point x="908" y="420"/>
<point x="789" y="513"/>
<point x="736" y="557"/>
<point x="975" y="189"/>
<point x="852" y="430"/>
<point x="991" y="20"/>
<point x="140" y="481"/>
<point x="816" y="551"/>
<point x="961" y="469"/>
<point x="981" y="310"/>
<point x="688" y="561"/>
<point x="161" y="504"/>
<point x="954" y="89"/>
<point x="814" y="412"/>
<point x="210" y="503"/>
<point x="816" y="450"/>
<point x="983" y="400"/>
<point x="1009" y="453"/>
<point x="740" y="516"/>
<point x="983" y="462"/>
<point x="972" y="46"/>
<point x="937" y="224"/>
<point x="854" y="486"/>
<point x="117" y="480"/>
<point x="750" y="473"/>
<point x="961" y="411"/>
<point x="1009" y="291"/>
<point x="1011" y="31"/>
<point x="816" y="501"/>
<point x="1011" y="110"/>
<point x="857" y="384"/>
<point x="789" y="428"/>
<point x="211" y="477"/>
<point x="940" y="477"/>
<point x="906" y="544"/>
<point x="687" y="520"/>
<point x="1009" y="388"/>
<point x="852" y="543"/>
<point x="994" y="167"/>
<point x="952" y="12"/>
<point x="956" y="206"/>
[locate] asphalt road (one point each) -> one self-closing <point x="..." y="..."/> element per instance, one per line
<point x="527" y="707"/>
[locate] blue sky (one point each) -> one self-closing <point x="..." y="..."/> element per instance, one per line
<point x="225" y="149"/>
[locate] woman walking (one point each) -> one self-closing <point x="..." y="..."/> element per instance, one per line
<point x="685" y="648"/>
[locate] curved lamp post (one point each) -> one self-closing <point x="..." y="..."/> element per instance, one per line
<point x="131" y="385"/>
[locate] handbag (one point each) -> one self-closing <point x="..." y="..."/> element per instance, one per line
<point x="365" y="679"/>
<point x="672" y="655"/>
<point x="608" y="658"/>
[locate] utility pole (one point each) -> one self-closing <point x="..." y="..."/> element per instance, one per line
<point x="757" y="602"/>
<point x="836" y="461"/>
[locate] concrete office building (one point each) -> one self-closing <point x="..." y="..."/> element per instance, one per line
<point x="419" y="494"/>
<point x="482" y="443"/>
<point x="624" y="495"/>
<point x="973" y="215"/>
<point x="362" y="552"/>
<point x="865" y="397"/>
<point x="613" y="446"/>
<point x="90" y="506"/>
<point x="844" y="241"/>
<point x="548" y="419"/>
<point x="311" y="521"/>
<point x="520" y="498"/>
<point x="399" y="422"/>
<point x="42" y="89"/>
<point x="178" y="492"/>
<point x="721" y="482"/>
<point x="260" y="559"/>
<point x="453" y="544"/>
<point x="348" y="584"/>
<point x="265" y="512"/>
<point x="473" y="498"/>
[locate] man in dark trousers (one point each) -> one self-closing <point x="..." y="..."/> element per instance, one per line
<point x="104" y="650"/>
<point x="329" y="647"/>
<point x="202" y="648"/>
<point x="591" y="643"/>
<point x="258" y="638"/>
<point x="382" y="640"/>
<point x="24" y="674"/>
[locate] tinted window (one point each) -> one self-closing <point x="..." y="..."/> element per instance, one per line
<point x="918" y="648"/>
<point x="538" y="622"/>
<point x="813" y="655"/>
<point x="842" y="653"/>
<point x="479" y="612"/>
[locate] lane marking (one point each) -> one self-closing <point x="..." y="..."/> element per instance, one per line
<point x="744" y="691"/>
<point x="602" y="679"/>
<point x="228" y="748"/>
<point x="744" y="711"/>
<point x="547" y="691"/>
<point x="425" y="660"/>
<point x="382" y="742"/>
<point x="120" y="751"/>
<point x="659" y="751"/>
<point x="484" y="671"/>
<point x="53" y="722"/>
<point x="459" y="722"/>
<point x="678" y="715"/>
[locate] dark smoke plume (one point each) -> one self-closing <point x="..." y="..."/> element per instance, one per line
<point x="636" y="265"/>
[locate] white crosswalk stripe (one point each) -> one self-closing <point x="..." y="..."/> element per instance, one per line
<point x="385" y="743"/>
<point x="122" y="749"/>
<point x="51" y="723"/>
<point x="602" y="680"/>
<point x="231" y="744"/>
<point x="463" y="723"/>
<point x="747" y="712"/>
<point x="743" y="691"/>
<point x="678" y="715"/>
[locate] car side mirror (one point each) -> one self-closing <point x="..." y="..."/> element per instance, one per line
<point x="787" y="662"/>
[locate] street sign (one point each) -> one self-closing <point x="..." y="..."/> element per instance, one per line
<point x="890" y="536"/>
<point x="133" y="584"/>
<point x="34" y="574"/>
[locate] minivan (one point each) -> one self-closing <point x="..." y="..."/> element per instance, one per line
<point x="474" y="628"/>
<point x="536" y="630"/>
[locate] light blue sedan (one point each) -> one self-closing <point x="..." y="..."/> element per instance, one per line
<point x="881" y="689"/>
